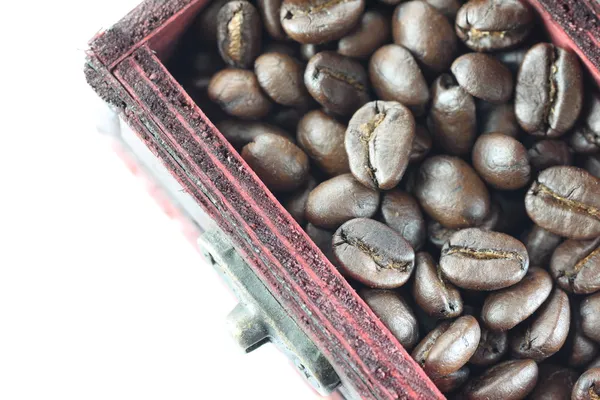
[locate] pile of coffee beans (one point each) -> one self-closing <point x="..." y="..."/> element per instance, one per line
<point x="445" y="158"/>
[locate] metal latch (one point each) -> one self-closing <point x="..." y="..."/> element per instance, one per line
<point x="259" y="318"/>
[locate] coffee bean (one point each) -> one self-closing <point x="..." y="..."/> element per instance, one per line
<point x="484" y="77"/>
<point x="587" y="386"/>
<point x="509" y="380"/>
<point x="447" y="7"/>
<point x="270" y="13"/>
<point x="323" y="239"/>
<point x="240" y="133"/>
<point x="501" y="161"/>
<point x="491" y="25"/>
<point x="448" y="347"/>
<point x="432" y="292"/>
<point x="504" y="309"/>
<point x="281" y="77"/>
<point x="338" y="83"/>
<point x="549" y="153"/>
<point x="549" y="91"/>
<point x="206" y="24"/>
<point x="239" y="33"/>
<point x="575" y="266"/>
<point x="295" y="204"/>
<point x="586" y="137"/>
<point x="373" y="31"/>
<point x="279" y="163"/>
<point x="450" y="192"/>
<point x="378" y="142"/>
<point x="492" y="347"/>
<point x="451" y="382"/>
<point x="499" y="118"/>
<point x="421" y="144"/>
<point x="308" y="51"/>
<point x="338" y="200"/>
<point x="395" y="314"/>
<point x="452" y="118"/>
<point x="545" y="332"/>
<point x="590" y="316"/>
<point x="554" y="383"/>
<point x="372" y="253"/>
<point x="401" y="212"/>
<point x="579" y="349"/>
<point x="426" y="33"/>
<point x="566" y="201"/>
<point x="322" y="137"/>
<point x="319" y="21"/>
<point x="437" y="234"/>
<point x="540" y="245"/>
<point x="592" y="165"/>
<point x="395" y="75"/>
<point x="238" y="93"/>
<point x="481" y="260"/>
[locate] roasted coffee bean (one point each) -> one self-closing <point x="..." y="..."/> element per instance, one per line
<point x="544" y="333"/>
<point x="554" y="383"/>
<point x="279" y="163"/>
<point x="482" y="260"/>
<point x="395" y="75"/>
<point x="590" y="316"/>
<point x="432" y="292"/>
<point x="499" y="118"/>
<point x="295" y="204"/>
<point x="492" y="347"/>
<point x="540" y="245"/>
<point x="549" y="153"/>
<point x="587" y="386"/>
<point x="566" y="201"/>
<point x="373" y="253"/>
<point x="239" y="33"/>
<point x="450" y="192"/>
<point x="421" y="144"/>
<point x="592" y="165"/>
<point x="281" y="77"/>
<point x="270" y="13"/>
<point x="338" y="83"/>
<point x="338" y="200"/>
<point x="575" y="266"/>
<point x="491" y="25"/>
<point x="509" y="380"/>
<point x="501" y="161"/>
<point x="447" y="7"/>
<point x="323" y="239"/>
<point x="401" y="212"/>
<point x="207" y="22"/>
<point x="579" y="349"/>
<point x="437" y="234"/>
<point x="372" y="31"/>
<point x="287" y="118"/>
<point x="395" y="313"/>
<point x="240" y="133"/>
<point x="426" y="33"/>
<point x="379" y="142"/>
<point x="484" y="77"/>
<point x="319" y="21"/>
<point x="549" y="91"/>
<point x="504" y="309"/>
<point x="451" y="382"/>
<point x="586" y="137"/>
<point x="322" y="137"/>
<point x="452" y="118"/>
<point x="308" y="51"/>
<point x="448" y="347"/>
<point x="238" y="93"/>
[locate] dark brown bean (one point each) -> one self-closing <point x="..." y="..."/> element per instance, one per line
<point x="379" y="142"/>
<point x="286" y="118"/>
<point x="544" y="333"/>
<point x="279" y="163"/>
<point x="452" y="118"/>
<point x="484" y="77"/>
<point x="206" y="25"/>
<point x="509" y="380"/>
<point x="322" y="137"/>
<point x="426" y="33"/>
<point x="373" y="31"/>
<point x="504" y="309"/>
<point x="482" y="260"/>
<point x="451" y="382"/>
<point x="338" y="200"/>
<point x="587" y="386"/>
<point x="590" y="316"/>
<point x="549" y="153"/>
<point x="579" y="349"/>
<point x="437" y="234"/>
<point x="395" y="314"/>
<point x="491" y="25"/>
<point x="575" y="266"/>
<point x="592" y="165"/>
<point x="492" y="347"/>
<point x="239" y="33"/>
<point x="323" y="239"/>
<point x="549" y="91"/>
<point x="373" y="253"/>
<point x="270" y="13"/>
<point x="421" y="144"/>
<point x="401" y="212"/>
<point x="338" y="83"/>
<point x="499" y="118"/>
<point x="566" y="201"/>
<point x="554" y="383"/>
<point x="281" y="77"/>
<point x="450" y="192"/>
<point x="447" y="7"/>
<point x="586" y="137"/>
<point x="395" y="75"/>
<point x="540" y="245"/>
<point x="432" y="292"/>
<point x="295" y="204"/>
<point x="238" y="93"/>
<point x="240" y="133"/>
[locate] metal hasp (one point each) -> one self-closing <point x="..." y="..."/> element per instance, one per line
<point x="259" y="318"/>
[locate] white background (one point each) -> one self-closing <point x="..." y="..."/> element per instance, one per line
<point x="101" y="297"/>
